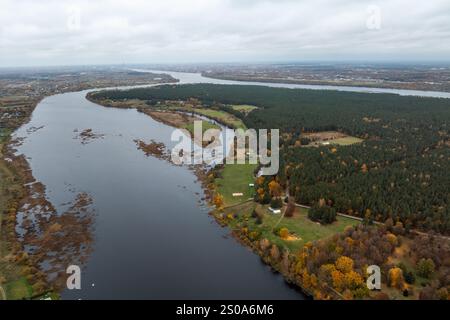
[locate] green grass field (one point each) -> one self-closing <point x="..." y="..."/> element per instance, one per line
<point x="346" y="141"/>
<point x="222" y="116"/>
<point x="206" y="125"/>
<point x="235" y="179"/>
<point x="299" y="226"/>
<point x="244" y="108"/>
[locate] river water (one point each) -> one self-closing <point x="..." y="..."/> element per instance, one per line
<point x="198" y="78"/>
<point x="153" y="237"/>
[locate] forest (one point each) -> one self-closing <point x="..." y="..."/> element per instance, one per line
<point x="399" y="171"/>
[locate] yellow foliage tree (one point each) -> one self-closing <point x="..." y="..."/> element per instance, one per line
<point x="264" y="244"/>
<point x="284" y="233"/>
<point x="218" y="200"/>
<point x="327" y="269"/>
<point x="392" y="239"/>
<point x="275" y="188"/>
<point x="306" y="279"/>
<point x="260" y="192"/>
<point x="314" y="280"/>
<point x="344" y="264"/>
<point x="353" y="280"/>
<point x="338" y="280"/>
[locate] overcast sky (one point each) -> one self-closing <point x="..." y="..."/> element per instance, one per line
<point x="57" y="32"/>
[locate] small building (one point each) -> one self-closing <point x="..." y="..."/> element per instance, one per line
<point x="237" y="194"/>
<point x="251" y="185"/>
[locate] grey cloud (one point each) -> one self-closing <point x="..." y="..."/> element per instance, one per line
<point x="115" y="31"/>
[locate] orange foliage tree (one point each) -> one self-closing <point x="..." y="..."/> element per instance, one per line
<point x="218" y="200"/>
<point x="275" y="188"/>
<point x="396" y="278"/>
<point x="344" y="264"/>
<point x="284" y="233"/>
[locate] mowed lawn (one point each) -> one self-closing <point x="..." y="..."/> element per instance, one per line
<point x="206" y="125"/>
<point x="222" y="116"/>
<point x="300" y="227"/>
<point x="236" y="179"/>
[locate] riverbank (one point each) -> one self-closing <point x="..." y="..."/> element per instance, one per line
<point x="21" y="277"/>
<point x="16" y="269"/>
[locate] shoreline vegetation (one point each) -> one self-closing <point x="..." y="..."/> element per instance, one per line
<point x="21" y="275"/>
<point x="326" y="259"/>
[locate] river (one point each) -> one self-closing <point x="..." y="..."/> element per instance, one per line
<point x="198" y="78"/>
<point x="153" y="237"/>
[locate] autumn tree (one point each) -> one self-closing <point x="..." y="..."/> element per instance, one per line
<point x="260" y="180"/>
<point x="398" y="228"/>
<point x="275" y="189"/>
<point x="425" y="268"/>
<point x="442" y="294"/>
<point x="284" y="233"/>
<point x="290" y="209"/>
<point x="396" y="278"/>
<point x="344" y="264"/>
<point x="275" y="253"/>
<point x="353" y="280"/>
<point x="218" y="201"/>
<point x="338" y="279"/>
